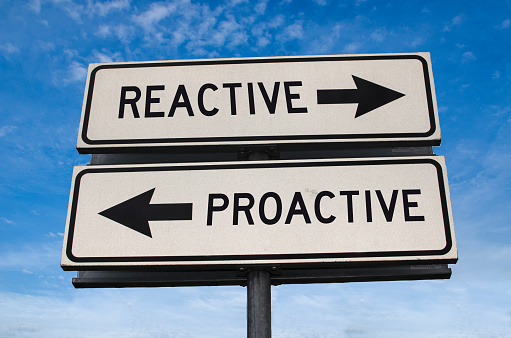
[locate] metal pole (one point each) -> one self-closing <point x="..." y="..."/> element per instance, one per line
<point x="258" y="288"/>
<point x="259" y="304"/>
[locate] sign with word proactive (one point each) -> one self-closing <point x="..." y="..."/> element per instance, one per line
<point x="270" y="212"/>
<point x="258" y="101"/>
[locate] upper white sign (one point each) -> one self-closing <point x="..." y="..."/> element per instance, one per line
<point x="258" y="101"/>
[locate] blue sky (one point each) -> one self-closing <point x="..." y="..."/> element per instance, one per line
<point x="45" y="48"/>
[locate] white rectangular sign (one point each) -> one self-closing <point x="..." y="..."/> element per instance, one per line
<point x="257" y="101"/>
<point x="270" y="212"/>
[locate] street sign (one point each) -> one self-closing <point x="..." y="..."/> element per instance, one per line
<point x="286" y="101"/>
<point x="309" y="212"/>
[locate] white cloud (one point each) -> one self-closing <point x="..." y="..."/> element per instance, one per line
<point x="53" y="235"/>
<point x="262" y="42"/>
<point x="35" y="5"/>
<point x="260" y="7"/>
<point x="6" y="130"/>
<point x="352" y="47"/>
<point x="456" y="21"/>
<point x="106" y="56"/>
<point x="156" y="13"/>
<point x="103" y="31"/>
<point x="102" y="57"/>
<point x="72" y="9"/>
<point x="9" y="48"/>
<point x="123" y="32"/>
<point x="443" y="109"/>
<point x="46" y="46"/>
<point x="5" y="220"/>
<point x="203" y="30"/>
<point x="416" y="41"/>
<point x="231" y="31"/>
<point x="385" y="309"/>
<point x="276" y="21"/>
<point x="75" y="72"/>
<point x="181" y="312"/>
<point x="103" y="8"/>
<point x="120" y="31"/>
<point x="327" y="41"/>
<point x="504" y="24"/>
<point x="381" y="309"/>
<point x="292" y="32"/>
<point x="76" y="10"/>
<point x="31" y="256"/>
<point x="379" y="35"/>
<point x="468" y="56"/>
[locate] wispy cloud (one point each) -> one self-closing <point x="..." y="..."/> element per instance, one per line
<point x="6" y="130"/>
<point x="468" y="56"/>
<point x="125" y="313"/>
<point x="156" y="12"/>
<point x="106" y="56"/>
<point x="7" y="221"/>
<point x="120" y="31"/>
<point x="53" y="235"/>
<point x="292" y="32"/>
<point x="352" y="47"/>
<point x="327" y="42"/>
<point x="104" y="8"/>
<point x="379" y="35"/>
<point x="8" y="48"/>
<point x="260" y="7"/>
<point x="31" y="256"/>
<point x="35" y="5"/>
<point x="73" y="10"/>
<point x="237" y="2"/>
<point x="77" y="10"/>
<point x="504" y="24"/>
<point x="456" y="21"/>
<point x="75" y="72"/>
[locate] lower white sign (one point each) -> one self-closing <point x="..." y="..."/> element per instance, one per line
<point x="271" y="212"/>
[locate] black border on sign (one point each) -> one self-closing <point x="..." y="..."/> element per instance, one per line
<point x="260" y="257"/>
<point x="290" y="138"/>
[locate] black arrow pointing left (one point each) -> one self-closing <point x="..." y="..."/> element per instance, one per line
<point x="136" y="212"/>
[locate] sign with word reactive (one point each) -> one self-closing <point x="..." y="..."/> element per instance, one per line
<point x="270" y="212"/>
<point x="256" y="101"/>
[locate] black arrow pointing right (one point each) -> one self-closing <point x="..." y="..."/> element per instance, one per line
<point x="368" y="95"/>
<point x="136" y="212"/>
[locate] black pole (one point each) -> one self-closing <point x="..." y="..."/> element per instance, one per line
<point x="258" y="289"/>
<point x="259" y="304"/>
